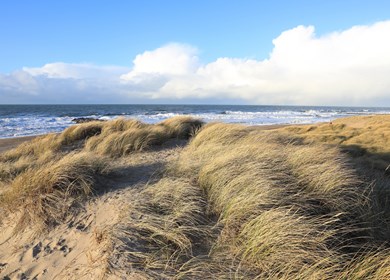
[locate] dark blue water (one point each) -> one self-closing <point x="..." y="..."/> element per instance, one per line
<point x="21" y="120"/>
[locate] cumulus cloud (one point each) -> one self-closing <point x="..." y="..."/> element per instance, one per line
<point x="172" y="59"/>
<point x="347" y="67"/>
<point x="76" y="71"/>
<point x="63" y="83"/>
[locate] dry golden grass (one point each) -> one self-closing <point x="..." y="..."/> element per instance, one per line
<point x="181" y="126"/>
<point x="122" y="137"/>
<point x="373" y="265"/>
<point x="121" y="124"/>
<point x="35" y="148"/>
<point x="366" y="138"/>
<point x="238" y="203"/>
<point x="159" y="230"/>
<point x="80" y="132"/>
<point x="29" y="154"/>
<point x="44" y="196"/>
<point x="288" y="210"/>
<point x="123" y="143"/>
<point x="284" y="212"/>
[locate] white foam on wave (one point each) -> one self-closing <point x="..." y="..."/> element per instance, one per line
<point x="35" y="125"/>
<point x="32" y="125"/>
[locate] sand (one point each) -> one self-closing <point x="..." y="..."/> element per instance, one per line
<point x="86" y="244"/>
<point x="9" y="143"/>
<point x="72" y="250"/>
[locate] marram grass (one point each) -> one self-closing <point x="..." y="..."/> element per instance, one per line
<point x="237" y="203"/>
<point x="45" y="195"/>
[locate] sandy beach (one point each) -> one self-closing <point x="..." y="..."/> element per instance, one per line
<point x="182" y="199"/>
<point x="10" y="143"/>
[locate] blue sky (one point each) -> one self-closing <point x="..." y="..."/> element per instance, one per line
<point x="80" y="36"/>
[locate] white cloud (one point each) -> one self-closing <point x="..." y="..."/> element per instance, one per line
<point x="349" y="67"/>
<point x="76" y="71"/>
<point x="342" y="68"/>
<point x="171" y="59"/>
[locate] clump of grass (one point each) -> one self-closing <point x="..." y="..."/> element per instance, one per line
<point x="159" y="229"/>
<point x="324" y="171"/>
<point x="34" y="148"/>
<point x="182" y="127"/>
<point x="283" y="244"/>
<point x="123" y="143"/>
<point x="27" y="155"/>
<point x="80" y="132"/>
<point x="43" y="149"/>
<point x="121" y="124"/>
<point x="122" y="137"/>
<point x="44" y="196"/>
<point x="219" y="134"/>
<point x="10" y="169"/>
<point x="209" y="142"/>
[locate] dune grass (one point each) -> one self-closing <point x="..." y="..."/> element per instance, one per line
<point x="44" y="196"/>
<point x="79" y="132"/>
<point x="114" y="138"/>
<point x="159" y="230"/>
<point x="27" y="155"/>
<point x="288" y="209"/>
<point x="44" y="178"/>
<point x="122" y="137"/>
<point x="253" y="205"/>
<point x="238" y="203"/>
<point x="366" y="138"/>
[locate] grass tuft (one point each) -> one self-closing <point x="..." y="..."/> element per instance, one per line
<point x="121" y="137"/>
<point x="158" y="231"/>
<point x="44" y="196"/>
<point x="80" y="132"/>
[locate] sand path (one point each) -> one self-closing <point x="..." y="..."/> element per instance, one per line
<point x="73" y="249"/>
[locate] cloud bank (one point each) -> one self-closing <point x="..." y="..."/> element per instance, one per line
<point x="349" y="67"/>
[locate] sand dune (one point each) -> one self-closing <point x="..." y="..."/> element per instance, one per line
<point x="185" y="200"/>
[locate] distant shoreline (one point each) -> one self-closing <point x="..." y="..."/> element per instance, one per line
<point x="9" y="143"/>
<point x="44" y="119"/>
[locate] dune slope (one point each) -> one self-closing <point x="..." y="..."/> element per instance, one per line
<point x="127" y="200"/>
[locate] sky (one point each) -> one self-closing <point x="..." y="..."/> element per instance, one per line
<point x="195" y="52"/>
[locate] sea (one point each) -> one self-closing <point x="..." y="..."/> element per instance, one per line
<point x="25" y="120"/>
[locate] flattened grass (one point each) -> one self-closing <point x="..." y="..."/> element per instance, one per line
<point x="44" y="196"/>
<point x="288" y="210"/>
<point x="238" y="203"/>
<point x="44" y="179"/>
<point x="366" y="138"/>
<point x="159" y="230"/>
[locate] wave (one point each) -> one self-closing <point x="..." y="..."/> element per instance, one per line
<point x="23" y="124"/>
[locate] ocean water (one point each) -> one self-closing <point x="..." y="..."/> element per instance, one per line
<point x="23" y="120"/>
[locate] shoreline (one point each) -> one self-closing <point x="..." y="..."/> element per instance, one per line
<point x="70" y="208"/>
<point x="12" y="142"/>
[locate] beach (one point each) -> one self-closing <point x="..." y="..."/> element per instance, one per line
<point x="181" y="198"/>
<point x="10" y="143"/>
<point x="27" y="120"/>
